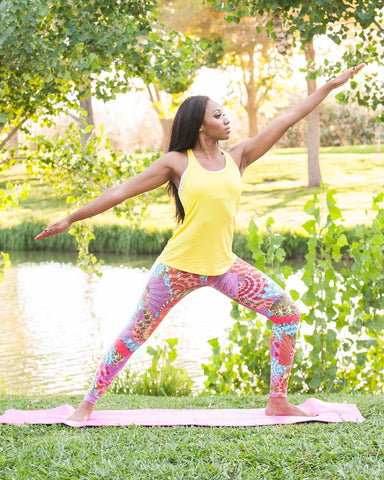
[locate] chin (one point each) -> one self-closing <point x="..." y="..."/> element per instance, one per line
<point x="225" y="136"/>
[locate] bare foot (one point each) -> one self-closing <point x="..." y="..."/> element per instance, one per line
<point x="82" y="412"/>
<point x="281" y="407"/>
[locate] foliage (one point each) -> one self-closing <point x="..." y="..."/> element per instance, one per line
<point x="346" y="125"/>
<point x="345" y="303"/>
<point x="81" y="172"/>
<point x="260" y="59"/>
<point x="242" y="366"/>
<point x="4" y="264"/>
<point x="10" y="195"/>
<point x="360" y="25"/>
<point x="54" y="53"/>
<point x="342" y="318"/>
<point x="160" y="379"/>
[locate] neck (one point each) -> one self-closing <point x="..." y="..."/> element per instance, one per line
<point x="207" y="147"/>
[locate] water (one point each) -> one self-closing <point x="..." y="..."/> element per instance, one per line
<point x="56" y="321"/>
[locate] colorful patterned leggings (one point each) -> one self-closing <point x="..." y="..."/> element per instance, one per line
<point x="242" y="283"/>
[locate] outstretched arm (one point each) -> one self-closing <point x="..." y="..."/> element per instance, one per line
<point x="250" y="150"/>
<point x="154" y="176"/>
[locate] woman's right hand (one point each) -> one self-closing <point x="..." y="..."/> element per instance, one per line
<point x="55" y="228"/>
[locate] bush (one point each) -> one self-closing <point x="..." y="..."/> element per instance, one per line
<point x="344" y="305"/>
<point x="339" y="125"/>
<point x="161" y="378"/>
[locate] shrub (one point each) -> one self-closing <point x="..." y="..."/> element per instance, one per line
<point x="160" y="379"/>
<point x="343" y="309"/>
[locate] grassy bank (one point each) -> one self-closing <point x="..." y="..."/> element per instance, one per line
<point x="127" y="240"/>
<point x="274" y="185"/>
<point x="305" y="451"/>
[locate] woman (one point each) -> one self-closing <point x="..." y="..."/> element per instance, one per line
<point x="206" y="185"/>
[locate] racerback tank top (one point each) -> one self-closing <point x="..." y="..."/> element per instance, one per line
<point x="203" y="243"/>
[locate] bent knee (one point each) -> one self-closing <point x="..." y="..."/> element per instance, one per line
<point x="284" y="309"/>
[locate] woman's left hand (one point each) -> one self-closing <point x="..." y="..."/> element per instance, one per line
<point x="55" y="228"/>
<point x="345" y="76"/>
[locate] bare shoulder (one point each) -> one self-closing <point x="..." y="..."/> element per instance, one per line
<point x="177" y="162"/>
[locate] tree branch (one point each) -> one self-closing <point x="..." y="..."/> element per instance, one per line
<point x="74" y="117"/>
<point x="152" y="98"/>
<point x="12" y="133"/>
<point x="243" y="70"/>
<point x="381" y="29"/>
<point x="71" y="169"/>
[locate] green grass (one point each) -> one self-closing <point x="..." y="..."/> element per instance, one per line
<point x="303" y="451"/>
<point x="275" y="185"/>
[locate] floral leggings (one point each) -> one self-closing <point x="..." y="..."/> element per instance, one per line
<point x="243" y="283"/>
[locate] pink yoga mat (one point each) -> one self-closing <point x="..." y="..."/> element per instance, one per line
<point x="326" y="412"/>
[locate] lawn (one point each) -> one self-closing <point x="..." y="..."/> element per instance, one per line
<point x="304" y="451"/>
<point x="273" y="186"/>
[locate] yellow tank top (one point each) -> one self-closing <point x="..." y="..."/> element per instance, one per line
<point x="203" y="243"/>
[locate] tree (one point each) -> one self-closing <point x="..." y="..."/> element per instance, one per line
<point x="166" y="93"/>
<point x="165" y="105"/>
<point x="360" y="23"/>
<point x="244" y="45"/>
<point x="53" y="56"/>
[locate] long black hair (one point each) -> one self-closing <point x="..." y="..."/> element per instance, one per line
<point x="184" y="135"/>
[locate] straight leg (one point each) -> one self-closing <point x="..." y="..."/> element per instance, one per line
<point x="165" y="288"/>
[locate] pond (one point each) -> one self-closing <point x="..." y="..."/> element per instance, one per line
<point x="56" y="321"/>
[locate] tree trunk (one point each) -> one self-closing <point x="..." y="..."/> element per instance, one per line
<point x="252" y="111"/>
<point x="166" y="125"/>
<point x="313" y="129"/>
<point x="252" y="104"/>
<point x="86" y="104"/>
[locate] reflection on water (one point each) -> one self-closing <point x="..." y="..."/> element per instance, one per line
<point x="56" y="321"/>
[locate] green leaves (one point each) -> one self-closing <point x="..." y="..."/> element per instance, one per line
<point x="358" y="23"/>
<point x="4" y="264"/>
<point x="162" y="378"/>
<point x="343" y="321"/>
<point x="243" y="366"/>
<point x="52" y="51"/>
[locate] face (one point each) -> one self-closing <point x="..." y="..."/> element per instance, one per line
<point x="215" y="124"/>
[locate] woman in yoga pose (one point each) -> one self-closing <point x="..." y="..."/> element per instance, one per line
<point x="205" y="183"/>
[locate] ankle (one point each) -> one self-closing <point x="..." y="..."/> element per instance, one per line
<point x="85" y="405"/>
<point x="278" y="401"/>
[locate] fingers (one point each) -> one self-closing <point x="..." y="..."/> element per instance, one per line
<point x="346" y="75"/>
<point x="357" y="68"/>
<point x="47" y="232"/>
<point x="44" y="234"/>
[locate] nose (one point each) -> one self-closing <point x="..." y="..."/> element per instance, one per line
<point x="226" y="120"/>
